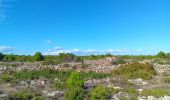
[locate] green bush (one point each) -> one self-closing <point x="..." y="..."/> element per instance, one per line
<point x="75" y="79"/>
<point x="161" y="54"/>
<point x="99" y="93"/>
<point x="38" y="56"/>
<point x="9" y="58"/>
<point x="63" y="58"/>
<point x="51" y="74"/>
<point x="167" y="55"/>
<point x="75" y="87"/>
<point x="166" y="79"/>
<point x="135" y="70"/>
<point x="155" y="92"/>
<point x="160" y="62"/>
<point x="75" y="93"/>
<point x="46" y="73"/>
<point x="6" y="77"/>
<point x="1" y="56"/>
<point x="119" y="61"/>
<point x="25" y="94"/>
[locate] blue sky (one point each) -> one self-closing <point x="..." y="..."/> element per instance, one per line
<point x="84" y="26"/>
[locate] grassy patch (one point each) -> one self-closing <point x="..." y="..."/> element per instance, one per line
<point x="59" y="85"/>
<point x="166" y="79"/>
<point x="131" y="90"/>
<point x="26" y="94"/>
<point x="15" y="77"/>
<point x="135" y="70"/>
<point x="155" y="92"/>
<point x="51" y="74"/>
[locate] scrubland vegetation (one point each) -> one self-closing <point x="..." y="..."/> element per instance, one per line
<point x="102" y="85"/>
<point x="135" y="70"/>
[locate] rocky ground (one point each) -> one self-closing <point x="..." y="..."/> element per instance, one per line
<point x="124" y="89"/>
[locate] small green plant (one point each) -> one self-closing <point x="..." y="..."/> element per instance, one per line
<point x="75" y="93"/>
<point x="6" y="77"/>
<point x="130" y="90"/>
<point x="166" y="79"/>
<point x="99" y="93"/>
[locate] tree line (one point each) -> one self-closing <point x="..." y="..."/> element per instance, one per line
<point x="69" y="57"/>
<point x="21" y="58"/>
<point x="50" y="59"/>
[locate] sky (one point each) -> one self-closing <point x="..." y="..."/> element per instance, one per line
<point x="84" y="27"/>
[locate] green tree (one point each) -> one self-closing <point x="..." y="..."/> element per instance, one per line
<point x="1" y="56"/>
<point x="161" y="54"/>
<point x="9" y="58"/>
<point x="108" y="55"/>
<point x="69" y="57"/>
<point x="38" y="56"/>
<point x="99" y="93"/>
<point x="79" y="59"/>
<point x="168" y="55"/>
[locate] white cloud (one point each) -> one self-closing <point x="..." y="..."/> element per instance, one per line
<point x="6" y="49"/>
<point x="125" y="51"/>
<point x="48" y="41"/>
<point x="139" y="50"/>
<point x="90" y="50"/>
<point x="58" y="50"/>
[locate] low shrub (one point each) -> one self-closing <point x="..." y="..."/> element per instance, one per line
<point x="99" y="92"/>
<point x="50" y="74"/>
<point x="26" y="94"/>
<point x="6" y="77"/>
<point x="166" y="79"/>
<point x="119" y="61"/>
<point x="59" y="85"/>
<point x="131" y="90"/>
<point x="135" y="70"/>
<point x="74" y="87"/>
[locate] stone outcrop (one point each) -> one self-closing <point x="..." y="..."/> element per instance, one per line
<point x="121" y="96"/>
<point x="53" y="94"/>
<point x="138" y="81"/>
<point x="162" y="69"/>
<point x="101" y="66"/>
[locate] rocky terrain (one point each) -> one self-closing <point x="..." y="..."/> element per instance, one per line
<point x="119" y="81"/>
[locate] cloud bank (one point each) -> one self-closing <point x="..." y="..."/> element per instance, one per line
<point x="58" y="50"/>
<point x="5" y="49"/>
